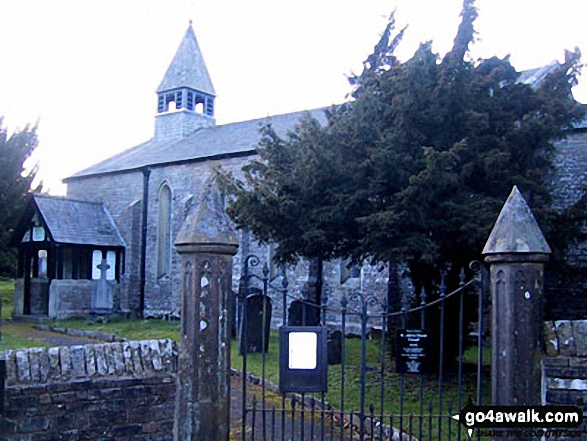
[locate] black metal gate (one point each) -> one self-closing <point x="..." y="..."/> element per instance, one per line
<point x="393" y="375"/>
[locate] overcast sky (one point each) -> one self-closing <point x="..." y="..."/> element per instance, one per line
<point x="88" y="70"/>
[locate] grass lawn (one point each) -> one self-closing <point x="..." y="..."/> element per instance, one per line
<point x="7" y="298"/>
<point x="11" y="338"/>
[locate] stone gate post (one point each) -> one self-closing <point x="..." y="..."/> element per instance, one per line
<point x="206" y="244"/>
<point x="516" y="251"/>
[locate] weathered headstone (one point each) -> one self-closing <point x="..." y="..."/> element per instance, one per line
<point x="303" y="313"/>
<point x="102" y="295"/>
<point x="257" y="306"/>
<point x="334" y="347"/>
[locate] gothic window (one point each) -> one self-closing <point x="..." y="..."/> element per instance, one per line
<point x="164" y="232"/>
<point x="348" y="271"/>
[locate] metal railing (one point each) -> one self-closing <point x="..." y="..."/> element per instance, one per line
<point x="380" y="402"/>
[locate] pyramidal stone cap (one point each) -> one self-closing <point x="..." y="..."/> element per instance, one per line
<point x="208" y="224"/>
<point x="516" y="230"/>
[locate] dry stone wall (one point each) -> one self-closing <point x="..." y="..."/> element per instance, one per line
<point x="114" y="391"/>
<point x="565" y="364"/>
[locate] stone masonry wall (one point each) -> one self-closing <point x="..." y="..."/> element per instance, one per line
<point x="564" y="378"/>
<point x="115" y="391"/>
<point x="73" y="298"/>
<point x="122" y="194"/>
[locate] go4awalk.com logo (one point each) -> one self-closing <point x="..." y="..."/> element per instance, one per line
<point x="519" y="417"/>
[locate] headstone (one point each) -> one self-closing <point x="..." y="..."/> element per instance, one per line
<point x="257" y="305"/>
<point x="102" y="296"/>
<point x="303" y="313"/>
<point x="334" y="347"/>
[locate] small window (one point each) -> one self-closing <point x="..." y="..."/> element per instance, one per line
<point x="96" y="261"/>
<point x="190" y="105"/>
<point x="42" y="263"/>
<point x="348" y="271"/>
<point x="111" y="262"/>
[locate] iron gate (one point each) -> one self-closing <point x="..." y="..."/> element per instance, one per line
<point x="400" y="376"/>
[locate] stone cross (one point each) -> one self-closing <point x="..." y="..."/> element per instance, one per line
<point x="206" y="244"/>
<point x="102" y="296"/>
<point x="516" y="251"/>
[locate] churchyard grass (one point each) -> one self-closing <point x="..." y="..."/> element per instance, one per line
<point x="11" y="338"/>
<point x="6" y="296"/>
<point x="158" y="329"/>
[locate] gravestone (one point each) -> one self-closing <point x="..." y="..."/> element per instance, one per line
<point x="257" y="305"/>
<point x="102" y="295"/>
<point x="334" y="347"/>
<point x="303" y="313"/>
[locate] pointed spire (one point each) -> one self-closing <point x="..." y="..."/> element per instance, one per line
<point x="516" y="230"/>
<point x="188" y="70"/>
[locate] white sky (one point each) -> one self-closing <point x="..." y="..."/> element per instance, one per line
<point x="88" y="70"/>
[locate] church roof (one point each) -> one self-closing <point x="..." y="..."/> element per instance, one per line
<point x="534" y="77"/>
<point x="188" y="68"/>
<point x="235" y="139"/>
<point x="78" y="222"/>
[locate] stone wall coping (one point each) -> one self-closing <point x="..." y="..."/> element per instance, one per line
<point x="77" y="363"/>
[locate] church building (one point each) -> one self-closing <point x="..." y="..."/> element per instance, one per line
<point x="114" y="232"/>
<point x="144" y="195"/>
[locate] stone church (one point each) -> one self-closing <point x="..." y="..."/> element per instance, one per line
<point x="117" y="225"/>
<point x="128" y="209"/>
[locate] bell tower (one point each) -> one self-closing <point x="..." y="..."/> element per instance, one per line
<point x="185" y="97"/>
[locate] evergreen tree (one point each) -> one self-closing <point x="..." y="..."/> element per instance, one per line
<point x="15" y="186"/>
<point x="417" y="166"/>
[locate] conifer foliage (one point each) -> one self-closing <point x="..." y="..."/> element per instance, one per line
<point x="16" y="179"/>
<point x="417" y="165"/>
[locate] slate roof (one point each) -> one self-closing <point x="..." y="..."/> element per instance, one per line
<point x="206" y="143"/>
<point x="188" y="68"/>
<point x="78" y="222"/>
<point x="534" y="77"/>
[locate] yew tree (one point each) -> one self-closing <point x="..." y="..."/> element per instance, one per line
<point x="16" y="179"/>
<point x="416" y="166"/>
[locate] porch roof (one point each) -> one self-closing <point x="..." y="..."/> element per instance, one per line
<point x="78" y="222"/>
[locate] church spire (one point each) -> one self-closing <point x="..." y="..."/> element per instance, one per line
<point x="187" y="84"/>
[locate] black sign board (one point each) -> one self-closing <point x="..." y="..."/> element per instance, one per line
<point x="412" y="352"/>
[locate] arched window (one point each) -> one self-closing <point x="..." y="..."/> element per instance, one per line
<point x="164" y="232"/>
